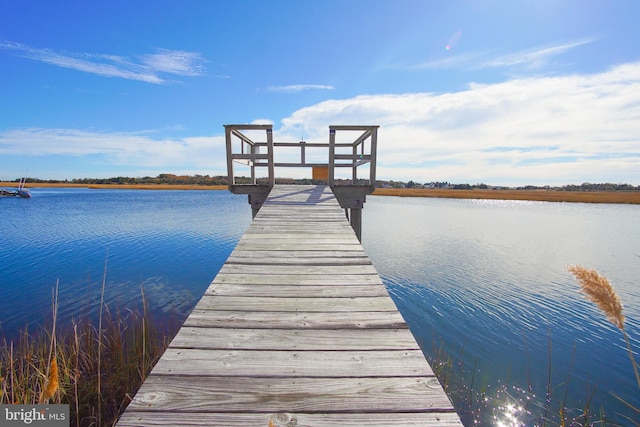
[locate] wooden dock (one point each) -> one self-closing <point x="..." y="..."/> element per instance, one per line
<point x="296" y="329"/>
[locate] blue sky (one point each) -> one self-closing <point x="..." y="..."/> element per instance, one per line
<point x="500" y="92"/>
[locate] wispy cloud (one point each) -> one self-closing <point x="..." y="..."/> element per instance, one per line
<point x="175" y="62"/>
<point x="465" y="60"/>
<point x="298" y="88"/>
<point x="531" y="59"/>
<point x="149" y="68"/>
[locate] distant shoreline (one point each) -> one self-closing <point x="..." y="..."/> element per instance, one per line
<point x="624" y="197"/>
<point x="120" y="186"/>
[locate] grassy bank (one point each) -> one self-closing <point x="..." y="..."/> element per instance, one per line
<point x="627" y="197"/>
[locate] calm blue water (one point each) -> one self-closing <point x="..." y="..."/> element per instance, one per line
<point x="171" y="243"/>
<point x="486" y="281"/>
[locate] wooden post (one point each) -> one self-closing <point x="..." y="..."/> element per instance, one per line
<point x="230" y="177"/>
<point x="272" y="174"/>
<point x="354" y="168"/>
<point x="372" y="163"/>
<point x="332" y="156"/>
<point x="254" y="150"/>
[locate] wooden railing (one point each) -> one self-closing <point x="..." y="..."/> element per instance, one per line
<point x="350" y="189"/>
<point x="362" y="151"/>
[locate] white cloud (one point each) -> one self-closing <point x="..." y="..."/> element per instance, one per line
<point x="118" y="149"/>
<point x="148" y="68"/>
<point x="552" y="130"/>
<point x="297" y="88"/>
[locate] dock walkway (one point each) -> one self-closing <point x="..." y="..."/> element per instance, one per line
<point x="296" y="329"/>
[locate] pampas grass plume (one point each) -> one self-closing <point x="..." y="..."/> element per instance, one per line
<point x="598" y="289"/>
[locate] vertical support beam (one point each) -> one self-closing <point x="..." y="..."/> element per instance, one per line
<point x="372" y="163"/>
<point x="254" y="149"/>
<point x="354" y="167"/>
<point x="332" y="156"/>
<point x="230" y="177"/>
<point x="272" y="174"/>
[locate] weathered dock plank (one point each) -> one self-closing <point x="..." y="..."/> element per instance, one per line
<point x="277" y="290"/>
<point x="296" y="329"/>
<point x="329" y="419"/>
<point x="305" y="304"/>
<point x="295" y="320"/>
<point x="294" y="339"/>
<point x="300" y="279"/>
<point x="293" y="395"/>
<point x="287" y="363"/>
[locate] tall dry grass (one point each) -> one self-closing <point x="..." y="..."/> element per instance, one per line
<point x="96" y="369"/>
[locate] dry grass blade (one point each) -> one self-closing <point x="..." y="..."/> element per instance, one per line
<point x="599" y="291"/>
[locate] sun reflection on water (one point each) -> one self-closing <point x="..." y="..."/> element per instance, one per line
<point x="510" y="416"/>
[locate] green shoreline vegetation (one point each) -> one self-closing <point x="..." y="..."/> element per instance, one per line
<point x="583" y="193"/>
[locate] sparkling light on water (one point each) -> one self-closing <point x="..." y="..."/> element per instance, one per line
<point x="510" y="416"/>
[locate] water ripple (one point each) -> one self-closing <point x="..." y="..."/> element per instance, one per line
<point x="487" y="281"/>
<point x="170" y="243"/>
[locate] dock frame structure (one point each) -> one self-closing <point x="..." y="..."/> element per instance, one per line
<point x="258" y="156"/>
<point x="296" y="329"/>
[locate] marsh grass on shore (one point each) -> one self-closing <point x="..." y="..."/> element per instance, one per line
<point x="94" y="369"/>
<point x="624" y="197"/>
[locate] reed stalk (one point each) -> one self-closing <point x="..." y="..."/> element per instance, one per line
<point x="52" y="376"/>
<point x="99" y="385"/>
<point x="76" y="343"/>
